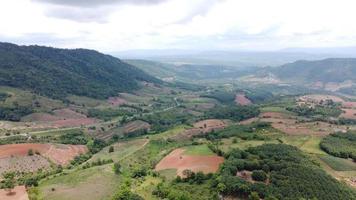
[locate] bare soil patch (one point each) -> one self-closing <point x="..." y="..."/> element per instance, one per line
<point x="18" y="193"/>
<point x="40" y="117"/>
<point x="177" y="160"/>
<point x="241" y="99"/>
<point x="59" y="119"/>
<point x="135" y="126"/>
<point x="209" y="125"/>
<point x="67" y="113"/>
<point x="73" y="122"/>
<point x="348" y="113"/>
<point x="291" y="126"/>
<point x="349" y="104"/>
<point x="246" y="175"/>
<point x="201" y="127"/>
<point x="58" y="153"/>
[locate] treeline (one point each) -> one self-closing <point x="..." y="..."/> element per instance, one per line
<point x="236" y="113"/>
<point x="245" y="132"/>
<point x="340" y="145"/>
<point x="326" y="111"/>
<point x="162" y="121"/>
<point x="291" y="175"/>
<point x="14" y="113"/>
<point x="259" y="95"/>
<point x="74" y="137"/>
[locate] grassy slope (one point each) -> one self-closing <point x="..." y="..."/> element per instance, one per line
<point x="91" y="184"/>
<point x="198" y="150"/>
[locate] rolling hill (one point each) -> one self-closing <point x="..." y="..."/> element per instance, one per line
<point x="327" y="70"/>
<point x="57" y="73"/>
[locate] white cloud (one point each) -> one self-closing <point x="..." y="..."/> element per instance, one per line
<point x="210" y="24"/>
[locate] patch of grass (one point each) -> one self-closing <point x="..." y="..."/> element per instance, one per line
<point x="169" y="174"/>
<point x="295" y="140"/>
<point x="338" y="164"/>
<point x="121" y="150"/>
<point x="228" y="144"/>
<point x="198" y="150"/>
<point x="54" y="132"/>
<point x="91" y="184"/>
<point x="169" y="133"/>
<point x="86" y="101"/>
<point x="312" y="146"/>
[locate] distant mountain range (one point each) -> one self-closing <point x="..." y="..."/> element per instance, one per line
<point x="189" y="72"/>
<point x="237" y="58"/>
<point x="59" y="72"/>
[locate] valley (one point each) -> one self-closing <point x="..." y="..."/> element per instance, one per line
<point x="178" y="138"/>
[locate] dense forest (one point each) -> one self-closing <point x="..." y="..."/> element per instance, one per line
<point x="236" y="113"/>
<point x="58" y="72"/>
<point x="280" y="172"/>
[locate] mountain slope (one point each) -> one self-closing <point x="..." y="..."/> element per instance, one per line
<point x="189" y="72"/>
<point x="327" y="70"/>
<point x="58" y="72"/>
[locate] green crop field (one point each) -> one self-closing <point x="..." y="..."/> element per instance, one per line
<point x="201" y="150"/>
<point x="121" y="150"/>
<point x="338" y="164"/>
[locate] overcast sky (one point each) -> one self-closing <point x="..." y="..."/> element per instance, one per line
<point x="116" y="25"/>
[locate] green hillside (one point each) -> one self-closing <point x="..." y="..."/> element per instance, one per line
<point x="327" y="70"/>
<point x="57" y="73"/>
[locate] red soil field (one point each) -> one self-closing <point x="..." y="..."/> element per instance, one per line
<point x="177" y="160"/>
<point x="290" y="126"/>
<point x="136" y="125"/>
<point x="349" y="104"/>
<point x="209" y="125"/>
<point x="18" y="193"/>
<point x="58" y="153"/>
<point x="201" y="127"/>
<point x="116" y="101"/>
<point x="348" y="113"/>
<point x="241" y="99"/>
<point x="73" y="122"/>
<point x="67" y="113"/>
<point x="40" y="117"/>
<point x="60" y="118"/>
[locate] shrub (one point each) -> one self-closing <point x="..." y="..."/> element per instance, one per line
<point x="111" y="149"/>
<point x="30" y="152"/>
<point x="259" y="175"/>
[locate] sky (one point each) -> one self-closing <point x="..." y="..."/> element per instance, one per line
<point x="119" y="25"/>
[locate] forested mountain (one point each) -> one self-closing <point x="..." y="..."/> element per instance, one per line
<point x="327" y="70"/>
<point x="57" y="72"/>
